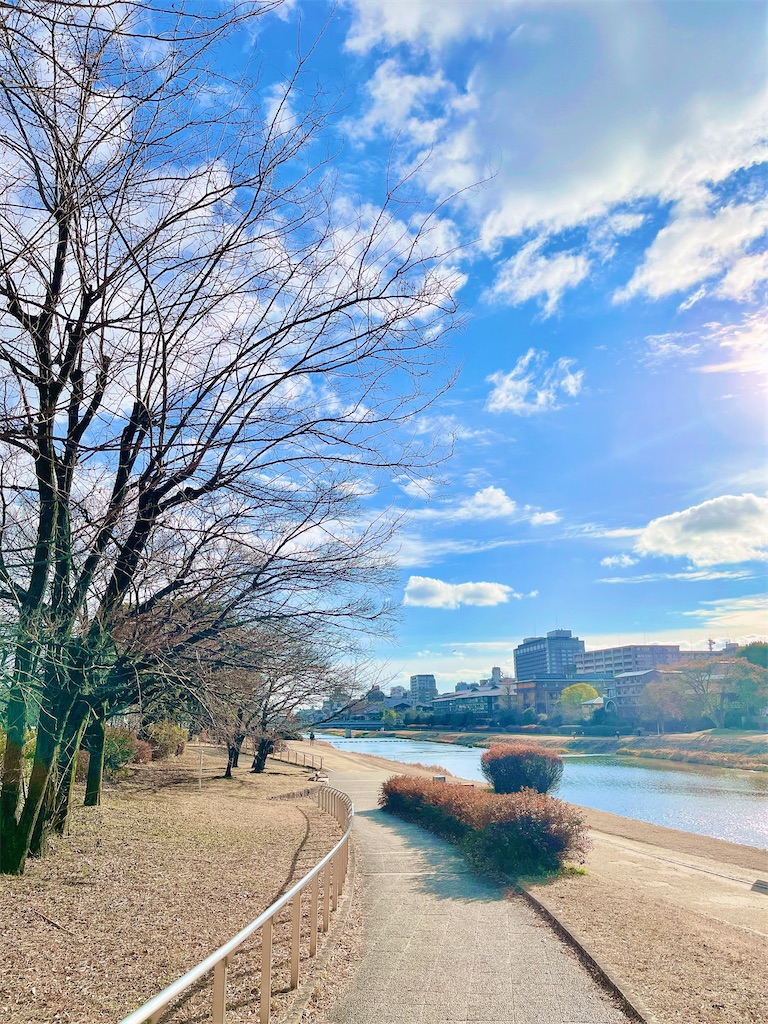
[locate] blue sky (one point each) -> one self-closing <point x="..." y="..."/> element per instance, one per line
<point x="609" y="473"/>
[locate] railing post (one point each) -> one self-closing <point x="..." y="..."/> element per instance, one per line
<point x="295" y="940"/>
<point x="326" y="896"/>
<point x="313" y="903"/>
<point x="266" y="972"/>
<point x="219" y="1009"/>
<point x="335" y="882"/>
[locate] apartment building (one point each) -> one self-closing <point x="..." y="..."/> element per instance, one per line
<point x="423" y="688"/>
<point x="629" y="658"/>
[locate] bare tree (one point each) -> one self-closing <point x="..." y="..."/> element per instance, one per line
<point x="713" y="687"/>
<point x="273" y="675"/>
<point x="204" y="347"/>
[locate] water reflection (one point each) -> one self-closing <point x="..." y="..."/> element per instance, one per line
<point x="720" y="802"/>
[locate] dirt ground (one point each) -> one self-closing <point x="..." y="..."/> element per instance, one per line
<point x="674" y="916"/>
<point x="670" y="914"/>
<point x="150" y="883"/>
<point x="161" y="874"/>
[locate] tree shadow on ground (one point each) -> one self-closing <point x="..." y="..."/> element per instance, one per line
<point x="446" y="873"/>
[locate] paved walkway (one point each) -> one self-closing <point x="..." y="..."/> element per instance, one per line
<point x="441" y="946"/>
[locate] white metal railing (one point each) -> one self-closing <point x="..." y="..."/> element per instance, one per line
<point x="299" y="757"/>
<point x="332" y="868"/>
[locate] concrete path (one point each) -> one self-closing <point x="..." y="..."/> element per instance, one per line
<point x="441" y="946"/>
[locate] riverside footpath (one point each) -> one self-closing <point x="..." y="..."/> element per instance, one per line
<point x="439" y="944"/>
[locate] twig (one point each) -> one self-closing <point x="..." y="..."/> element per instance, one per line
<point x="54" y="923"/>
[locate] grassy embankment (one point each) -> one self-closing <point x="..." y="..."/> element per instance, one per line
<point x="721" y="748"/>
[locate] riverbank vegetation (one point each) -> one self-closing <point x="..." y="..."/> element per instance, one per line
<point x="722" y="759"/>
<point x="512" y="767"/>
<point x="723" y="748"/>
<point x="505" y="835"/>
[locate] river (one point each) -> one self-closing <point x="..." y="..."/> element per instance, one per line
<point x="725" y="803"/>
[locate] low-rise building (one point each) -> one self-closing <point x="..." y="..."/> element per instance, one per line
<point x="476" y="700"/>
<point x="543" y="693"/>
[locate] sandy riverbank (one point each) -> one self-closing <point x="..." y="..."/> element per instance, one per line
<point x="671" y="913"/>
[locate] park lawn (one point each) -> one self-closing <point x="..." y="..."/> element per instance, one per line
<point x="150" y="883"/>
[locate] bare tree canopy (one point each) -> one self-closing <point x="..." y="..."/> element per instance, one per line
<point x="207" y="350"/>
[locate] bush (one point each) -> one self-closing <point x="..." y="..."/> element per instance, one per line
<point x="143" y="753"/>
<point x="512" y="767"/>
<point x="119" y="750"/>
<point x="510" y="835"/>
<point x="166" y="739"/>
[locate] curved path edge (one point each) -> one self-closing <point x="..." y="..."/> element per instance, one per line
<point x="629" y="1000"/>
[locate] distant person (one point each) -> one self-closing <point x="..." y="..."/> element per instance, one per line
<point x="311" y="739"/>
<point x="618" y="734"/>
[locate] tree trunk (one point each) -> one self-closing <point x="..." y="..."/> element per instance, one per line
<point x="17" y="832"/>
<point x="263" y="750"/>
<point x="96" y="737"/>
<point x="13" y="775"/>
<point x="231" y="756"/>
<point x="238" y="745"/>
<point x="38" y="844"/>
<point x="65" y="789"/>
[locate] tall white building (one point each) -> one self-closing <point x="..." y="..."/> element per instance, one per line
<point x="423" y="688"/>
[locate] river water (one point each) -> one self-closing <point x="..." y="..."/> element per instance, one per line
<point x="725" y="803"/>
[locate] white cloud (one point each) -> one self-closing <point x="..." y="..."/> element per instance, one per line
<point x="618" y="561"/>
<point x="425" y="592"/>
<point x="533" y="385"/>
<point x="415" y="550"/>
<point x="661" y="348"/>
<point x="738" y="347"/>
<point x="417" y="488"/>
<point x="744" y="344"/>
<point x="446" y="426"/>
<point x="689" y="575"/>
<point x="584" y="130"/>
<point x="489" y="503"/>
<point x="722" y="531"/>
<point x="399" y="103"/>
<point x="700" y="244"/>
<point x="746" y="273"/>
<point x="531" y="275"/>
<point x="736" y="615"/>
<point x="434" y="24"/>
<point x="544" y="518"/>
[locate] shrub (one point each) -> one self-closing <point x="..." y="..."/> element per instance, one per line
<point x="512" y="767"/>
<point x="166" y="739"/>
<point x="509" y="835"/>
<point x="143" y="753"/>
<point x="119" y="750"/>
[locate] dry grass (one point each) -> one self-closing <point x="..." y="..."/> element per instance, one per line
<point x="150" y="883"/>
<point x="687" y="968"/>
<point x="715" y="759"/>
